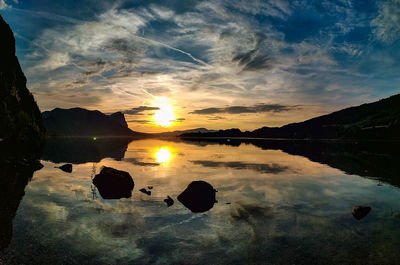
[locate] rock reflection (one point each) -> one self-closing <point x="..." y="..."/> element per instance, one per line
<point x="114" y="184"/>
<point x="198" y="197"/>
<point x="15" y="173"/>
<point x="359" y="212"/>
<point x="169" y="201"/>
<point x="83" y="150"/>
<point x="66" y="168"/>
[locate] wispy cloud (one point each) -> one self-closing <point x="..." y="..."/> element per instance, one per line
<point x="387" y="23"/>
<point x="208" y="55"/>
<point x="139" y="110"/>
<point x="245" y="109"/>
<point x="263" y="168"/>
<point x="4" y="5"/>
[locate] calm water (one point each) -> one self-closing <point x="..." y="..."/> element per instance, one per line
<point x="274" y="206"/>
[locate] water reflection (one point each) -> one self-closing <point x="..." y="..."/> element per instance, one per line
<point x="277" y="202"/>
<point x="163" y="154"/>
<point x="372" y="159"/>
<point x="83" y="150"/>
<point x="15" y="173"/>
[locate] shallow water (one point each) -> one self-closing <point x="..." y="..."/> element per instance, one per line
<point x="274" y="207"/>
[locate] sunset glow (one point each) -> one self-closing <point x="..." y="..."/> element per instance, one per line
<point x="163" y="155"/>
<point x="164" y="116"/>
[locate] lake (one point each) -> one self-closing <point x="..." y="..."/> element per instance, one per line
<point x="278" y="202"/>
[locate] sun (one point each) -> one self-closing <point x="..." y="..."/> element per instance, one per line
<point x="164" y="116"/>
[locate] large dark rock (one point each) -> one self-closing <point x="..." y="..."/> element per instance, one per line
<point x="20" y="117"/>
<point x="198" y="197"/>
<point x="359" y="212"/>
<point x="113" y="183"/>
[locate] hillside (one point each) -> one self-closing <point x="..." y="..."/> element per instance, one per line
<point x="180" y="132"/>
<point x="377" y="120"/>
<point x="82" y="122"/>
<point x="20" y="118"/>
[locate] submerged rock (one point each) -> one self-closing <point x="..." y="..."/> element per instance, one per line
<point x="145" y="191"/>
<point x="66" y="168"/>
<point x="359" y="212"/>
<point x="198" y="197"/>
<point x="169" y="201"/>
<point x="113" y="183"/>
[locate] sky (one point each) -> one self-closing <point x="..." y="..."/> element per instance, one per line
<point x="216" y="64"/>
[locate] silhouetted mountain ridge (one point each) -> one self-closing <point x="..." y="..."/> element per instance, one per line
<point x="83" y="122"/>
<point x="179" y="132"/>
<point x="377" y="120"/>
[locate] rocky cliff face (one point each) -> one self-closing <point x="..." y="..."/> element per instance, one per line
<point x="83" y="122"/>
<point x="20" y="117"/>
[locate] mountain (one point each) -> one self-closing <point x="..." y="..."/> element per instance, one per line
<point x="83" y="122"/>
<point x="20" y="117"/>
<point x="180" y="132"/>
<point x="377" y="120"/>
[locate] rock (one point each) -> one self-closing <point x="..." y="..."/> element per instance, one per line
<point x="113" y="183"/>
<point x="66" y="168"/>
<point x="169" y="201"/>
<point x="359" y="212"/>
<point x="19" y="114"/>
<point x="145" y="191"/>
<point x="198" y="197"/>
<point x="150" y="187"/>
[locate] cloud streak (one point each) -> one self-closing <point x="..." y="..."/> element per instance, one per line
<point x="259" y="108"/>
<point x="139" y="110"/>
<point x="262" y="168"/>
<point x="207" y="55"/>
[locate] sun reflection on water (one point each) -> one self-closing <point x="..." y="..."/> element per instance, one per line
<point x="163" y="155"/>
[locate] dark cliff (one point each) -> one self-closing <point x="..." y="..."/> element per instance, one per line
<point x="83" y="122"/>
<point x="20" y="117"/>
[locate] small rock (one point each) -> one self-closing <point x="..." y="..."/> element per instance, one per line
<point x="145" y="191"/>
<point x="169" y="201"/>
<point x="66" y="168"/>
<point x="150" y="187"/>
<point x="359" y="212"/>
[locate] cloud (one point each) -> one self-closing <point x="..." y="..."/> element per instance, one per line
<point x="211" y="53"/>
<point x="4" y="5"/>
<point x="257" y="58"/>
<point x="141" y="121"/>
<point x="139" y="110"/>
<point x="263" y="168"/>
<point x="243" y="109"/>
<point x="387" y="23"/>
